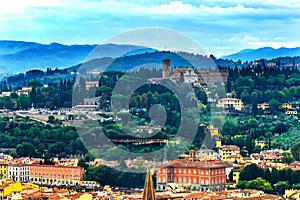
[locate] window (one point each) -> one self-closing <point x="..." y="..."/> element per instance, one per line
<point x="174" y="170"/>
<point x="179" y="180"/>
<point x="189" y="171"/>
<point x="207" y="172"/>
<point x="194" y="171"/>
<point x="184" y="170"/>
<point x="195" y="180"/>
<point x="179" y="170"/>
<point x="174" y="179"/>
<point x="202" y="181"/>
<point x="202" y="171"/>
<point x="184" y="179"/>
<point x="189" y="180"/>
<point x="206" y="182"/>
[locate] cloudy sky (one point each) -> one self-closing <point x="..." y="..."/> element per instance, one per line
<point x="218" y="26"/>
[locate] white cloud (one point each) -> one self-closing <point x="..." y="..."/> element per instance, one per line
<point x="214" y="23"/>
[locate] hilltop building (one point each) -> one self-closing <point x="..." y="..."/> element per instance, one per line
<point x="166" y="70"/>
<point x="227" y="103"/>
<point x="191" y="75"/>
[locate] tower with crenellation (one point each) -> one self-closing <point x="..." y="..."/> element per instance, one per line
<point x="166" y="68"/>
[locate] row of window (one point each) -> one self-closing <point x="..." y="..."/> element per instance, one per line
<point x="16" y="173"/>
<point x="189" y="171"/>
<point x="18" y="168"/>
<point x="56" y="176"/>
<point x="56" y="173"/>
<point x="194" y="180"/>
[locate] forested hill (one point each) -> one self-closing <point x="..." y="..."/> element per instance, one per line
<point x="154" y="60"/>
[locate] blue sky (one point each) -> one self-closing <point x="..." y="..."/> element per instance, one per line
<point x="219" y="26"/>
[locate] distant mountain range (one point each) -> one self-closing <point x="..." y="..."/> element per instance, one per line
<point x="265" y="52"/>
<point x="18" y="56"/>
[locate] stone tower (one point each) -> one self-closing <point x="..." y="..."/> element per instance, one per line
<point x="166" y="68"/>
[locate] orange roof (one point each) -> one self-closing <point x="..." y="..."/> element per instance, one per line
<point x="197" y="164"/>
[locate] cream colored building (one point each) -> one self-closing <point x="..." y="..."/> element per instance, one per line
<point x="263" y="106"/>
<point x="292" y="194"/>
<point x="230" y="153"/>
<point x="226" y="103"/>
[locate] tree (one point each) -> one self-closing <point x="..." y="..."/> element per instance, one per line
<point x="239" y="141"/>
<point x="287" y="159"/>
<point x="25" y="149"/>
<point x="280" y="128"/>
<point x="23" y="101"/>
<point x="267" y="175"/>
<point x="257" y="184"/>
<point x="296" y="186"/>
<point x="251" y="172"/>
<point x="82" y="163"/>
<point x="281" y="186"/>
<point x="274" y="105"/>
<point x="51" y="119"/>
<point x="296" y="151"/>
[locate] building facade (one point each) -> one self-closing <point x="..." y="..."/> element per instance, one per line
<point x="192" y="175"/>
<point x="189" y="76"/>
<point x="227" y="103"/>
<point x="18" y="172"/>
<point x="3" y="170"/>
<point x="56" y="175"/>
<point x="230" y="153"/>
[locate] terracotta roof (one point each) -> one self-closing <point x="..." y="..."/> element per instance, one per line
<point x="197" y="164"/>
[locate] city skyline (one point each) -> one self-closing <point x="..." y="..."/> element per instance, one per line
<point x="219" y="27"/>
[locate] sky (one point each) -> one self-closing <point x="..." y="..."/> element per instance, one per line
<point x="220" y="27"/>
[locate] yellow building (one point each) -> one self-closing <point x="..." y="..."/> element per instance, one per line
<point x="218" y="143"/>
<point x="9" y="188"/>
<point x="263" y="106"/>
<point x="293" y="194"/>
<point x="260" y="143"/>
<point x="287" y="106"/>
<point x="226" y="103"/>
<point x="3" y="170"/>
<point x="230" y="153"/>
<point x="213" y="131"/>
<point x="236" y="175"/>
<point x="85" y="197"/>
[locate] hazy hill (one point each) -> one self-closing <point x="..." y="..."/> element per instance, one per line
<point x="152" y="60"/>
<point x="265" y="52"/>
<point x="18" y="56"/>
